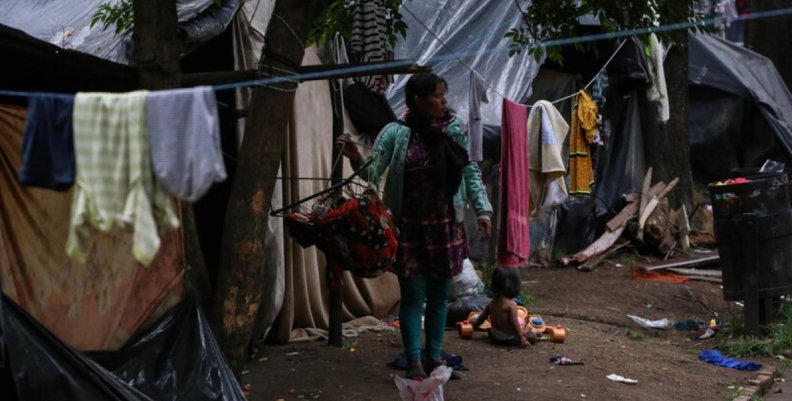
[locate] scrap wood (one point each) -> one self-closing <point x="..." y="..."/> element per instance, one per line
<point x="647" y="182"/>
<point x="623" y="217"/>
<point x="650" y="207"/>
<point x="695" y="272"/>
<point x="701" y="239"/>
<point x="710" y="258"/>
<point x="600" y="245"/>
<point x="595" y="261"/>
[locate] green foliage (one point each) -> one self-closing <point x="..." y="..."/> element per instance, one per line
<point x="487" y="269"/>
<point x="551" y="20"/>
<point x="119" y="15"/>
<point x="777" y="343"/>
<point x="634" y="335"/>
<point x="339" y="17"/>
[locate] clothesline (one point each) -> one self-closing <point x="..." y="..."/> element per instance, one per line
<point x="556" y="42"/>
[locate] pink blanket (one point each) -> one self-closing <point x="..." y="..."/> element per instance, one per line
<point x="514" y="244"/>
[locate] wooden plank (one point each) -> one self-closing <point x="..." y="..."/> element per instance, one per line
<point x="695" y="272"/>
<point x="595" y="261"/>
<point x="623" y="217"/>
<point x="647" y="182"/>
<point x="685" y="261"/>
<point x="650" y="207"/>
<point x="600" y="245"/>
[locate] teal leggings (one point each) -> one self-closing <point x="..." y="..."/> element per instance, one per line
<point x="414" y="291"/>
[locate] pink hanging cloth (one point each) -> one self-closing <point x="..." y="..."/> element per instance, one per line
<point x="514" y="243"/>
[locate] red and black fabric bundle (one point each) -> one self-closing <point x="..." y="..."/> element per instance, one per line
<point x="358" y="236"/>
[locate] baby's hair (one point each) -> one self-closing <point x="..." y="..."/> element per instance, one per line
<point x="505" y="282"/>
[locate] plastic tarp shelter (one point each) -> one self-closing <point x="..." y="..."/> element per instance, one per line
<point x="176" y="359"/>
<point x="473" y="31"/>
<point x="740" y="109"/>
<point x="62" y="23"/>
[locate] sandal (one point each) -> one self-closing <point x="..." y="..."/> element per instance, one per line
<point x="416" y="372"/>
<point x="432" y="364"/>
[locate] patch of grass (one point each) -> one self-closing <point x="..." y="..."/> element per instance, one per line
<point x="777" y="342"/>
<point x="734" y="392"/>
<point x="528" y="300"/>
<point x="487" y="269"/>
<point x="634" y="335"/>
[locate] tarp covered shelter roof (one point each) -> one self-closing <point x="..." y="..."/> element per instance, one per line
<point x="61" y="23"/>
<point x="726" y="66"/>
<point x="34" y="65"/>
<point x="474" y="31"/>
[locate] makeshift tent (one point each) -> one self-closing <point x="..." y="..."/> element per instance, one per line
<point x="473" y="30"/>
<point x="176" y="359"/>
<point x="740" y="110"/>
<point x="61" y="23"/>
<point x="98" y="305"/>
<point x="295" y="298"/>
<point x="53" y="307"/>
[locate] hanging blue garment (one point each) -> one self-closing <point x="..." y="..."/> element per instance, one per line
<point x="716" y="358"/>
<point x="48" y="146"/>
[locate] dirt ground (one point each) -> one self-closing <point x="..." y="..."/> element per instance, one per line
<point x="593" y="307"/>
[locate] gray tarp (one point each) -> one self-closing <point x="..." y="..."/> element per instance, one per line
<point x="723" y="65"/>
<point x="474" y="31"/>
<point x="67" y="23"/>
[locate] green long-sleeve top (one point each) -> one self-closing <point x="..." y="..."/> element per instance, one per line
<point x="390" y="152"/>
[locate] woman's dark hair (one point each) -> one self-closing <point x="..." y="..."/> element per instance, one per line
<point x="505" y="282"/>
<point x="423" y="84"/>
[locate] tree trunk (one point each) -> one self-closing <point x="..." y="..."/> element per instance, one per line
<point x="237" y="296"/>
<point x="157" y="47"/>
<point x="157" y="51"/>
<point x="667" y="147"/>
<point x="772" y="37"/>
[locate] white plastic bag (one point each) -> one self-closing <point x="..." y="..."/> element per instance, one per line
<point x="466" y="283"/>
<point x="429" y="389"/>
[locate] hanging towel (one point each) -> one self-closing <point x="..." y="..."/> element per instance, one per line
<point x="478" y="94"/>
<point x="715" y="357"/>
<point x="48" y="149"/>
<point x="583" y="134"/>
<point x="547" y="131"/>
<point x="369" y="41"/>
<point x="514" y="244"/>
<point x="115" y="184"/>
<point x="657" y="91"/>
<point x="184" y="133"/>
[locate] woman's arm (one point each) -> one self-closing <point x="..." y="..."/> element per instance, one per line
<point x="382" y="152"/>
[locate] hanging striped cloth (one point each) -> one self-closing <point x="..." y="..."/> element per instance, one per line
<point x="369" y="42"/>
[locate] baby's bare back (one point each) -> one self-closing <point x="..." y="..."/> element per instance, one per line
<point x="501" y="315"/>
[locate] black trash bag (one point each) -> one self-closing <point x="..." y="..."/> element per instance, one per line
<point x="44" y="368"/>
<point x="177" y="359"/>
<point x="459" y="310"/>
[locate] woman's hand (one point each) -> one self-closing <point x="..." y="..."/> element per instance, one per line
<point x="484" y="228"/>
<point x="349" y="149"/>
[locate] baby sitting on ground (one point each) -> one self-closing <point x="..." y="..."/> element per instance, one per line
<point x="502" y="311"/>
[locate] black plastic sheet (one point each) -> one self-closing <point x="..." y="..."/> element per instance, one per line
<point x="176" y="359"/>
